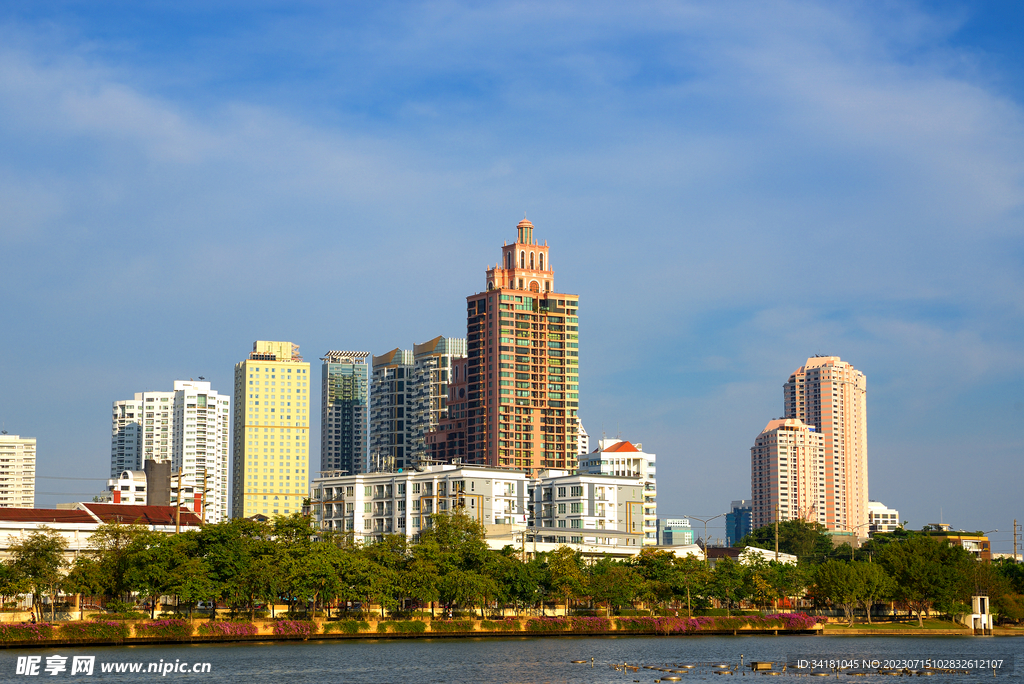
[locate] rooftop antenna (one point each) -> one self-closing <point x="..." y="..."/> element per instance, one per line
<point x="201" y="377"/>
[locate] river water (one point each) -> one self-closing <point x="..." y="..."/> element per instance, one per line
<point x="524" y="659"/>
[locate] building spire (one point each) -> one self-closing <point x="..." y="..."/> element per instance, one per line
<point x="525" y="231"/>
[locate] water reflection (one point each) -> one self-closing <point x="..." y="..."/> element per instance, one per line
<point x="615" y="659"/>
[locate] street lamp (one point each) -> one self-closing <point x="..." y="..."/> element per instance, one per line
<point x="854" y="530"/>
<point x="706" y="521"/>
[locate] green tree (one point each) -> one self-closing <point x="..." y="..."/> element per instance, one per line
<point x="875" y="585"/>
<point x="927" y="571"/>
<point x="693" y="579"/>
<point x="421" y="572"/>
<point x="39" y="559"/>
<point x="838" y="583"/>
<point x="727" y="583"/>
<point x="657" y="572"/>
<point x="12" y="583"/>
<point x="119" y="550"/>
<point x="567" y="575"/>
<point x="613" y="584"/>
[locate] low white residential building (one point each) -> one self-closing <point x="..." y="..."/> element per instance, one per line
<point x="623" y="459"/>
<point x="748" y="555"/>
<point x="17" y="471"/>
<point x="370" y="505"/>
<point x="596" y="513"/>
<point x="78" y="524"/>
<point x="581" y="508"/>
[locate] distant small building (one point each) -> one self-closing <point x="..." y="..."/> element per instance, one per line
<point x="881" y="518"/>
<point x="674" y="532"/>
<point x="976" y="543"/>
<point x="747" y="555"/>
<point x="738" y="521"/>
<point x="17" y="471"/>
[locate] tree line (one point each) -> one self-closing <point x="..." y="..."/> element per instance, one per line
<point x="249" y="565"/>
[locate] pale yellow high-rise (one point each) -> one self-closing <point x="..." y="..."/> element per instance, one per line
<point x="830" y="394"/>
<point x="270" y="431"/>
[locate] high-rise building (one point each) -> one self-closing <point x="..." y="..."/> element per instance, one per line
<point x="270" y="431"/>
<point x="517" y="408"/>
<point x="344" y="411"/>
<point x="830" y="394"/>
<point x="738" y="521"/>
<point x="408" y="398"/>
<point x="200" y="447"/>
<point x="142" y="430"/>
<point x="787" y="473"/>
<point x="18" y="467"/>
<point x="186" y="428"/>
<point x="623" y="459"/>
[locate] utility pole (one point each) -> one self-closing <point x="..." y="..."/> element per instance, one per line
<point x="776" y="533"/>
<point x="202" y="502"/>
<point x="177" y="507"/>
<point x="1014" y="540"/>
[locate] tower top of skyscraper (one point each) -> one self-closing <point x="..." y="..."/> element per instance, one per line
<point x="263" y="350"/>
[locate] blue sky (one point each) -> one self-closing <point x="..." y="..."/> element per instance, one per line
<point x="729" y="187"/>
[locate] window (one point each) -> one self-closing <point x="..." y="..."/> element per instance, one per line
<point x="577" y="491"/>
<point x="561" y="492"/>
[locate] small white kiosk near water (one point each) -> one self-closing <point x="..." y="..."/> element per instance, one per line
<point x="980" y="619"/>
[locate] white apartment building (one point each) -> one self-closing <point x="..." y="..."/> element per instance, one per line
<point x="17" y="471"/>
<point x="128" y="489"/>
<point x="598" y="513"/>
<point x="187" y="427"/>
<point x="601" y="510"/>
<point x="141" y="429"/>
<point x="623" y="459"/>
<point x="881" y="518"/>
<point x="370" y="505"/>
<point x="200" y="447"/>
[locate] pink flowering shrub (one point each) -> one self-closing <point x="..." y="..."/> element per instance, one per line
<point x="295" y="627"/>
<point x="26" y="631"/>
<point x="165" y="629"/>
<point x="107" y="630"/>
<point x="580" y="623"/>
<point x="547" y="624"/>
<point x="797" y="620"/>
<point x="676" y="625"/>
<point x="451" y="625"/>
<point x="227" y="629"/>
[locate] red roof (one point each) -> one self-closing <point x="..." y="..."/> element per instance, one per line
<point x="142" y="515"/>
<point x="44" y="515"/>
<point x="622" y="446"/>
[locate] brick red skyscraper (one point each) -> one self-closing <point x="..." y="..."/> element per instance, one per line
<point x="513" y="402"/>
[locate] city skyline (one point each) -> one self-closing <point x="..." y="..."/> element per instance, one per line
<point x="729" y="192"/>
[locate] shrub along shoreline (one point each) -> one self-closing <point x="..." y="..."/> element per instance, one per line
<point x="105" y="632"/>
